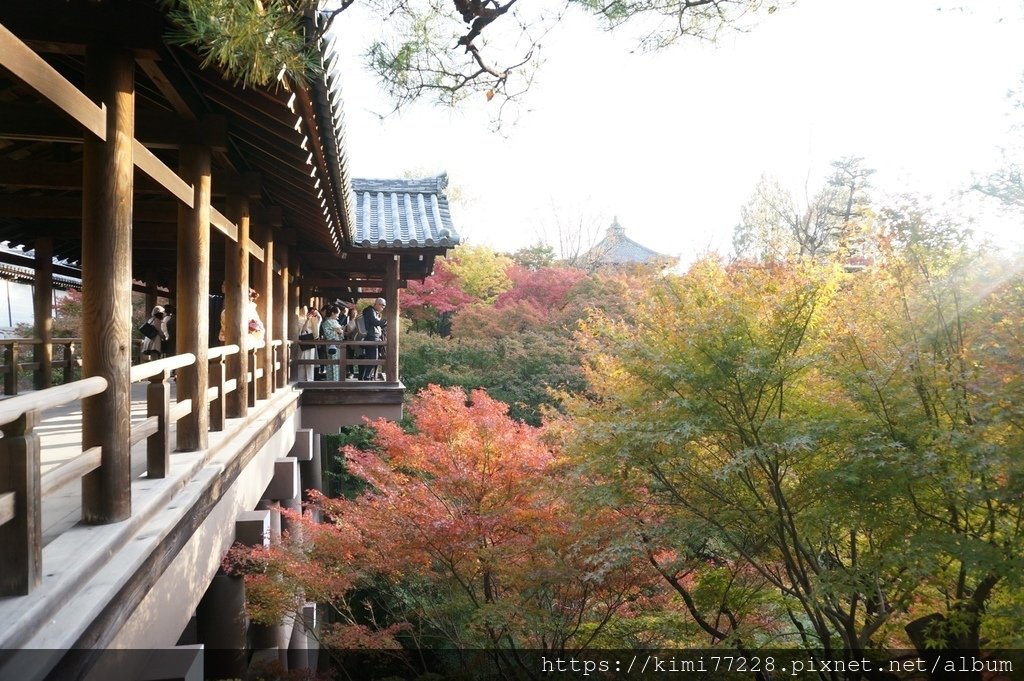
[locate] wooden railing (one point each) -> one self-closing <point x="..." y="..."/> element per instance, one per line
<point x="16" y="355"/>
<point x="13" y="354"/>
<point x="160" y="415"/>
<point x="21" y="523"/>
<point x="220" y="386"/>
<point x="23" y="487"/>
<point x="341" y="358"/>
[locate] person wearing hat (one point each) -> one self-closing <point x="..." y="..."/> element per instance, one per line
<point x="152" y="345"/>
<point x="375" y="325"/>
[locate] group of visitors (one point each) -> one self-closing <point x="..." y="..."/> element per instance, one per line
<point x="340" y="321"/>
<point x="158" y="333"/>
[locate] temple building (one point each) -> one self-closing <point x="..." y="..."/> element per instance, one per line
<point x="618" y="250"/>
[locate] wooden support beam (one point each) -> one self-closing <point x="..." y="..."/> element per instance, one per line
<point x="236" y="300"/>
<point x="59" y="176"/>
<point x="106" y="299"/>
<point x="391" y="314"/>
<point x="184" y="105"/>
<point x="149" y="211"/>
<point x="282" y="316"/>
<point x="193" y="287"/>
<point x="295" y="300"/>
<point x="155" y="129"/>
<point x="265" y="305"/>
<point x="68" y="26"/>
<point x="31" y="69"/>
<point x="349" y="282"/>
<point x="249" y="185"/>
<point x="42" y="354"/>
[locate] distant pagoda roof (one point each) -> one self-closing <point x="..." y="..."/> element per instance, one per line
<point x="403" y="214"/>
<point x="618" y="249"/>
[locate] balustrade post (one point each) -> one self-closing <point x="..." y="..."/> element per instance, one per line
<point x="217" y="405"/>
<point x="252" y="353"/>
<point x="158" y="445"/>
<point x="11" y="377"/>
<point x="68" y="365"/>
<point x="21" y="538"/>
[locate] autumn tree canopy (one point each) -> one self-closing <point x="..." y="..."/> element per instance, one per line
<point x="840" y="442"/>
<point x="465" y="536"/>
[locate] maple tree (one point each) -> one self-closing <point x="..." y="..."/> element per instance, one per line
<point x="465" y="535"/>
<point x="546" y="287"/>
<point x="840" y="443"/>
<point x="430" y="302"/>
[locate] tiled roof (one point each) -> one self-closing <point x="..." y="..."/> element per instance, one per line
<point x="618" y="249"/>
<point x="403" y="213"/>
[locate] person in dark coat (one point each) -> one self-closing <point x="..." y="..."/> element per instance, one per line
<point x="375" y="325"/>
<point x="171" y="324"/>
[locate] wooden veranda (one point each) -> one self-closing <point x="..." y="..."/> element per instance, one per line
<point x="126" y="163"/>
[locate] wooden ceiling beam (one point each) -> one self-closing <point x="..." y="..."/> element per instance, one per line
<point x="60" y="176"/>
<point x="66" y="26"/>
<point x="70" y="208"/>
<point x="155" y="129"/>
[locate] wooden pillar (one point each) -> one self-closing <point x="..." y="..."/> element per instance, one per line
<point x="151" y="292"/>
<point x="294" y="302"/>
<point x="193" y="308"/>
<point x="282" y="317"/>
<point x="236" y="299"/>
<point x="43" y="312"/>
<point x="391" y="276"/>
<point x="265" y="387"/>
<point x="107" y="186"/>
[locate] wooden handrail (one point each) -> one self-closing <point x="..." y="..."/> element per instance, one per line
<point x="57" y="396"/>
<point x="73" y="470"/>
<point x="141" y="372"/>
<point x="222" y="351"/>
<point x="26" y="341"/>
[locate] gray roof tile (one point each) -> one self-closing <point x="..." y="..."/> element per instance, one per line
<point x="406" y="213"/>
<point x="618" y="249"/>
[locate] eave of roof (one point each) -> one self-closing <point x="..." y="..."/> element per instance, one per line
<point x="403" y="213"/>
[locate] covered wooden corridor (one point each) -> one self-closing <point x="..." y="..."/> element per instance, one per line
<point x="127" y="164"/>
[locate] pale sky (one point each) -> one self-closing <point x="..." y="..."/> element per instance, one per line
<point x="673" y="143"/>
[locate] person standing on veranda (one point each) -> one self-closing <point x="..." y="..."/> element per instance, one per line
<point x="332" y="330"/>
<point x="309" y="322"/>
<point x="375" y="325"/>
<point x="152" y="347"/>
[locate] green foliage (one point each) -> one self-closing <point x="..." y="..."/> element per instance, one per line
<point x="339" y="482"/>
<point x="535" y="257"/>
<point x="835" y="448"/>
<point x="253" y="43"/>
<point x="480" y="272"/>
<point x="519" y="369"/>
